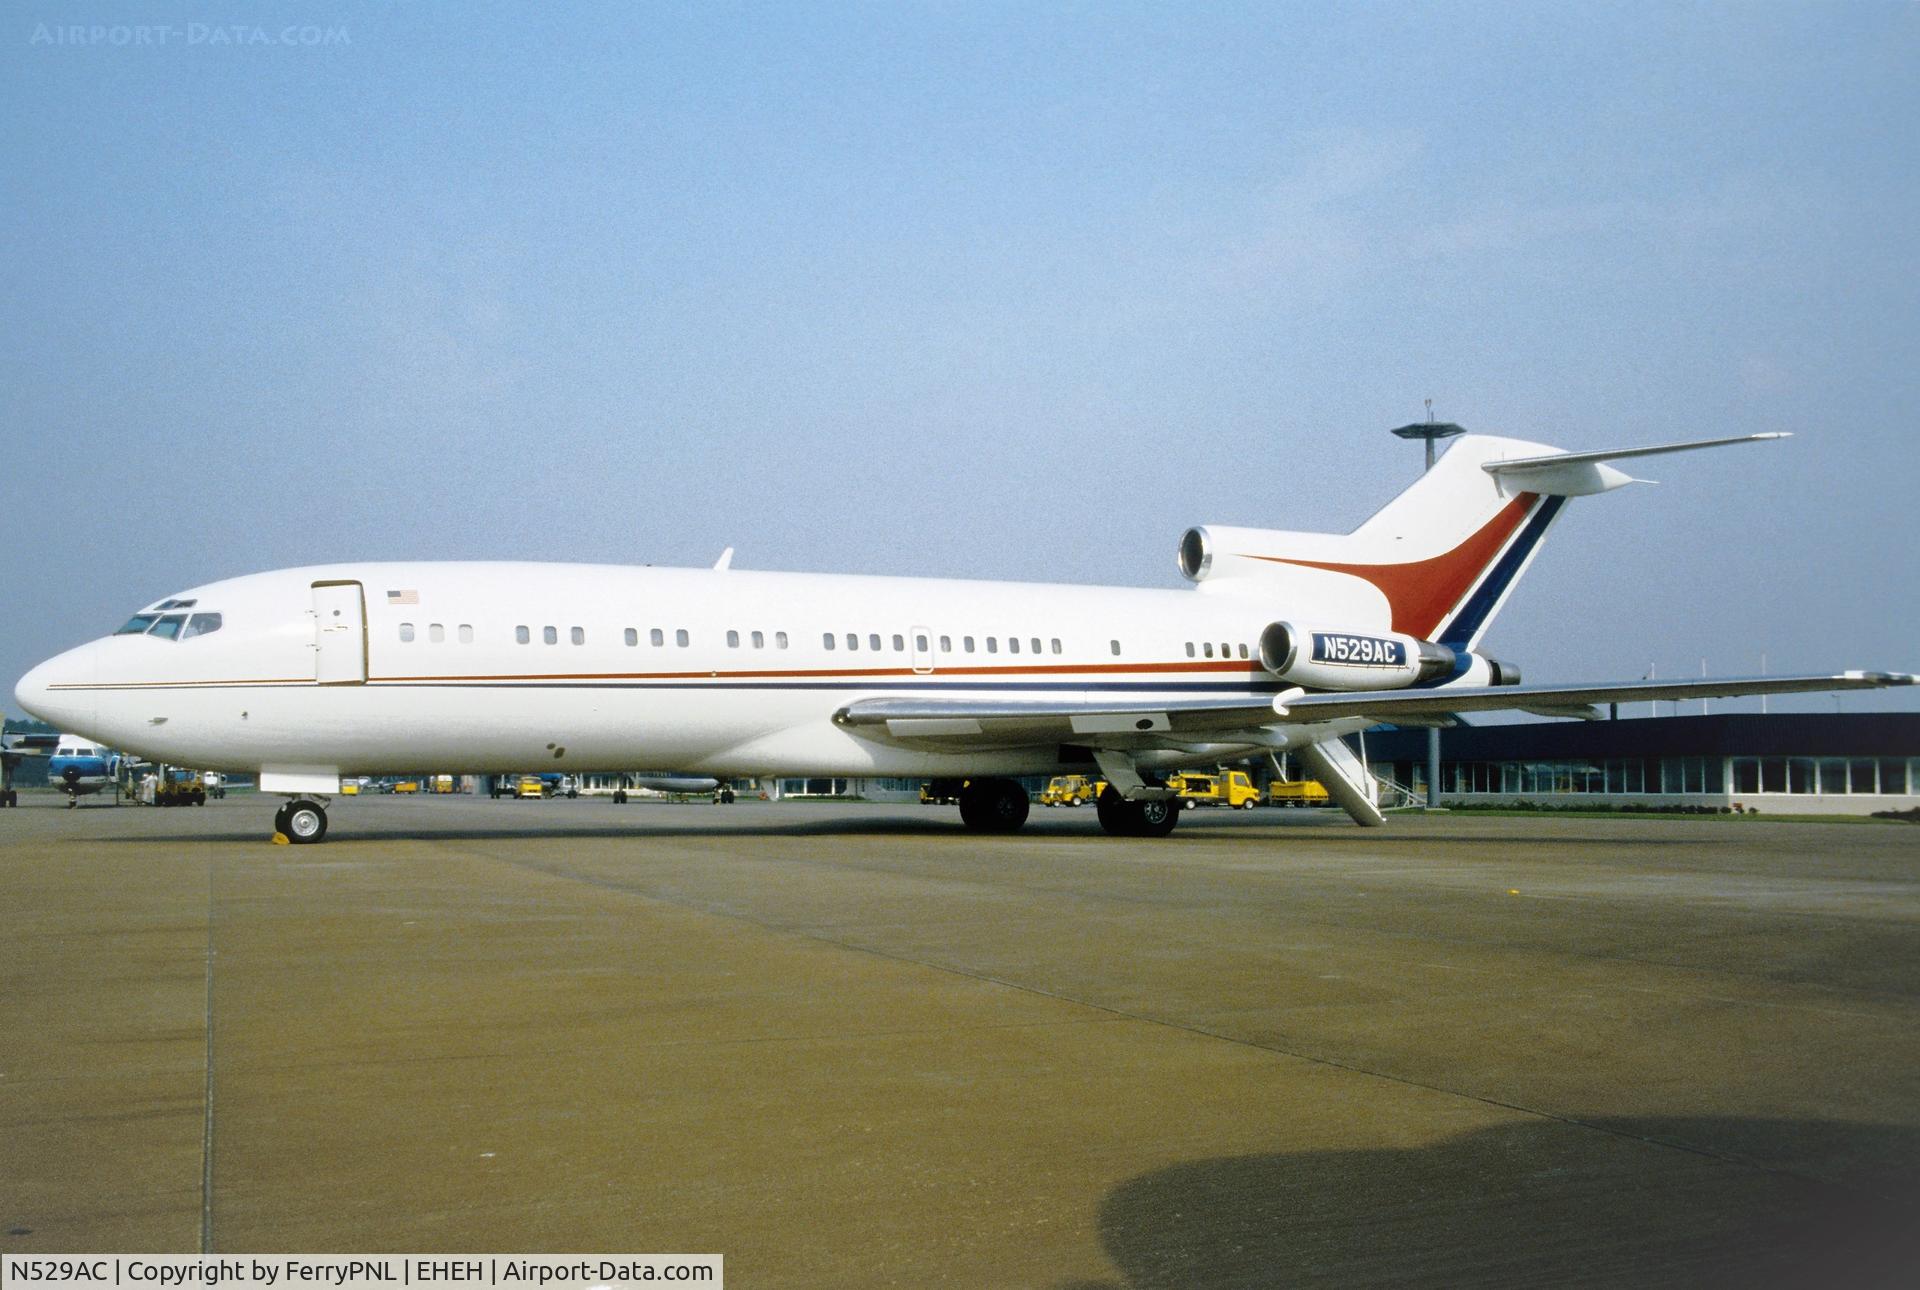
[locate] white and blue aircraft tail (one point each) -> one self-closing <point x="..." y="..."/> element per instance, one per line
<point x="1285" y="643"/>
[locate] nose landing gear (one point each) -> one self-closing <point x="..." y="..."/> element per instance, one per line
<point x="301" y="821"/>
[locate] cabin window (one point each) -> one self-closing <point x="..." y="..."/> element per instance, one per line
<point x="551" y="635"/>
<point x="680" y="637"/>
<point x="853" y="640"/>
<point x="1056" y="644"/>
<point x="1191" y="651"/>
<point x="733" y="639"/>
<point x="873" y="641"/>
<point x="1036" y="644"/>
<point x="826" y="639"/>
<point x="779" y="640"/>
<point x="920" y="643"/>
<point x="521" y="634"/>
<point x="657" y="636"/>
<point x="406" y="631"/>
<point x="946" y="644"/>
<point x="200" y="625"/>
<point x="633" y="636"/>
<point x="466" y="633"/>
<point x="993" y="645"/>
<point x="1116" y="648"/>
<point x="759" y="640"/>
<point x="137" y="625"/>
<point x="435" y="633"/>
<point x="1206" y="647"/>
<point x="1226" y="650"/>
<point x="578" y="636"/>
<point x="1013" y="644"/>
<point x="1243" y="649"/>
<point x="900" y="643"/>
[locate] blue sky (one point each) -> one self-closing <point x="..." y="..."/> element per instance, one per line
<point x="965" y="289"/>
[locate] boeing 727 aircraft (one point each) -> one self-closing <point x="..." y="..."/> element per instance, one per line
<point x="1286" y="642"/>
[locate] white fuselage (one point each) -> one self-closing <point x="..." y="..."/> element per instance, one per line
<point x="517" y="666"/>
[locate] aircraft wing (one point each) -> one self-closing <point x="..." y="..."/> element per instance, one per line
<point x="981" y="723"/>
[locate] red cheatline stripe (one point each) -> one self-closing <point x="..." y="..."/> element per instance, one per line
<point x="1239" y="666"/>
<point x="1423" y="592"/>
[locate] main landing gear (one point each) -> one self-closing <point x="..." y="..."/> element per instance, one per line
<point x="301" y="820"/>
<point x="1152" y="818"/>
<point x="993" y="805"/>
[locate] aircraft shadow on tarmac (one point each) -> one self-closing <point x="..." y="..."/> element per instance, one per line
<point x="1624" y="1202"/>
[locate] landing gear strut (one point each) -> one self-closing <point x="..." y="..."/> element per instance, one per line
<point x="993" y="805"/>
<point x="301" y="821"/>
<point x="1151" y="818"/>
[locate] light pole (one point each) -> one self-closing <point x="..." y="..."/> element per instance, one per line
<point x="1428" y="431"/>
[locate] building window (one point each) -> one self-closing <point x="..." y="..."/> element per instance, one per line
<point x="521" y="634"/>
<point x="578" y="636"/>
<point x="551" y="635"/>
<point x="657" y="636"/>
<point x="633" y="636"/>
<point x="466" y="633"/>
<point x="680" y="638"/>
<point x="406" y="631"/>
<point x="436" y="633"/>
<point x="1893" y="775"/>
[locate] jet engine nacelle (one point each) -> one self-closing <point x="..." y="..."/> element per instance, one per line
<point x="1329" y="659"/>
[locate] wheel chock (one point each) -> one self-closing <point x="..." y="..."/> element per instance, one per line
<point x="281" y="840"/>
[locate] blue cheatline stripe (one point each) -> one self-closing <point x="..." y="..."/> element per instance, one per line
<point x="1473" y="614"/>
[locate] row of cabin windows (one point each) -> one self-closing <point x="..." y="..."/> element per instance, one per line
<point x="967" y="646"/>
<point x="1206" y="650"/>
<point x="437" y="632"/>
<point x="523" y="634"/>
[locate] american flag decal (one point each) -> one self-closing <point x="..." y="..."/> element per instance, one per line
<point x="403" y="597"/>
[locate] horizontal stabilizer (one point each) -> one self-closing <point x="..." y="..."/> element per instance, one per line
<point x="1581" y="474"/>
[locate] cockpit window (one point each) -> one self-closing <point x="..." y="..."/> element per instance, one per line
<point x="137" y="625"/>
<point x="200" y="625"/>
<point x="168" y="627"/>
<point x="176" y="604"/>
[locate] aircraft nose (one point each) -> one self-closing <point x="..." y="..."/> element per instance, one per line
<point x="44" y="692"/>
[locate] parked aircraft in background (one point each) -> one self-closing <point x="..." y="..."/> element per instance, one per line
<point x="76" y="764"/>
<point x="1286" y="642"/>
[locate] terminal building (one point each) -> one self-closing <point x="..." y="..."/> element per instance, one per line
<point x="1798" y="763"/>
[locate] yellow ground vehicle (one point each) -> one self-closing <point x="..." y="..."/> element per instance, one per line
<point x="1298" y="792"/>
<point x="407" y="786"/>
<point x="529" y="786"/>
<point x="443" y="783"/>
<point x="1068" y="790"/>
<point x="1198" y="788"/>
<point x="180" y="788"/>
<point x="349" y="788"/>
